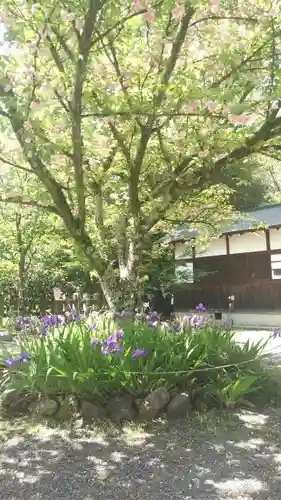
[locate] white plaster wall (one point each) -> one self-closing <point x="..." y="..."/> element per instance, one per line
<point x="216" y="247"/>
<point x="183" y="251"/>
<point x="252" y="320"/>
<point x="247" y="242"/>
<point x="275" y="239"/>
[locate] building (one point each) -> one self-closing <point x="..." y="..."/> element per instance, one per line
<point x="242" y="267"/>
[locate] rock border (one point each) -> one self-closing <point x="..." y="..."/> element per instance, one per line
<point x="118" y="408"/>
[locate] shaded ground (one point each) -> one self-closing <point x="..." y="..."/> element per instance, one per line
<point x="237" y="456"/>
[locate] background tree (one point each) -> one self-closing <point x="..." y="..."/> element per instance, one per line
<point x="129" y="114"/>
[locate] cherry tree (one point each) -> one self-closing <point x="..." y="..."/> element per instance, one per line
<point x="127" y="113"/>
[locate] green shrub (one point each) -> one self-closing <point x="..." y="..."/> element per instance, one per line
<point x="137" y="359"/>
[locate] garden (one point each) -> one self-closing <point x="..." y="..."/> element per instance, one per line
<point x="127" y="367"/>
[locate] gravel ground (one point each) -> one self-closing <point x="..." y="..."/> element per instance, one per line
<point x="236" y="456"/>
<point x="272" y="348"/>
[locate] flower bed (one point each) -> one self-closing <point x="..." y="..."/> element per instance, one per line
<point x="103" y="357"/>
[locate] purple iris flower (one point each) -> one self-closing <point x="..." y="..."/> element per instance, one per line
<point x="152" y="324"/>
<point x="197" y="321"/>
<point x="175" y="329"/>
<point x="49" y="321"/>
<point x="119" y="335"/>
<point x="74" y="315"/>
<point x="44" y="330"/>
<point x="22" y="323"/>
<point x="24" y="356"/>
<point x="116" y="337"/>
<point x="153" y="316"/>
<point x="11" y="362"/>
<point x="201" y="308"/>
<point x="95" y="341"/>
<point x="112" y="349"/>
<point x="113" y="343"/>
<point x="139" y="353"/>
<point x="106" y="351"/>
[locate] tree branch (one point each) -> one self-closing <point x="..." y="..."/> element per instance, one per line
<point x="227" y="75"/>
<point x="222" y="18"/>
<point x="20" y="200"/>
<point x="163" y="114"/>
<point x="267" y="131"/>
<point x="122" y="144"/>
<point x="16" y="165"/>
<point x="175" y="52"/>
<point x="63" y="44"/>
<point x="85" y="43"/>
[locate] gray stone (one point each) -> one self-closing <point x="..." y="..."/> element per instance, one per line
<point x="17" y="403"/>
<point x="91" y="412"/>
<point x="45" y="407"/>
<point x="179" y="406"/>
<point x="153" y="404"/>
<point x="6" y="337"/>
<point x="68" y="409"/>
<point x="121" y="408"/>
<point x="204" y="401"/>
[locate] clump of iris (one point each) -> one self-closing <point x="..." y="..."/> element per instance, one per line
<point x="50" y="321"/>
<point x="114" y="344"/>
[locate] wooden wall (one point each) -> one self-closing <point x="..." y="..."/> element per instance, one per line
<point x="247" y="276"/>
<point x="234" y="269"/>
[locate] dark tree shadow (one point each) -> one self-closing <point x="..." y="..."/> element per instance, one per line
<point x="235" y="457"/>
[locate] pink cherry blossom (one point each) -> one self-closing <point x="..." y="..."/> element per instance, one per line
<point x="272" y="13"/>
<point x="138" y="5"/>
<point x="149" y="16"/>
<point x="215" y="5"/>
<point x="193" y="105"/>
<point x="242" y="119"/>
<point x="35" y="105"/>
<point x="211" y="106"/>
<point x="251" y="119"/>
<point x="237" y="119"/>
<point x="27" y="126"/>
<point x="109" y="119"/>
<point x="178" y="12"/>
<point x="203" y="154"/>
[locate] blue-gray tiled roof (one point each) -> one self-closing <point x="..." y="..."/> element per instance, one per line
<point x="268" y="216"/>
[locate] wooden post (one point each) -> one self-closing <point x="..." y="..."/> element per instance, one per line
<point x="267" y="240"/>
<point x="1" y="309"/>
<point x="227" y="244"/>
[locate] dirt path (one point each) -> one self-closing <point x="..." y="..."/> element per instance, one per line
<point x="233" y="457"/>
<point x="273" y="347"/>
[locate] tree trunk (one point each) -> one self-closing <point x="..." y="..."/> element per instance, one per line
<point x="109" y="294"/>
<point x="21" y="281"/>
<point x="120" y="292"/>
